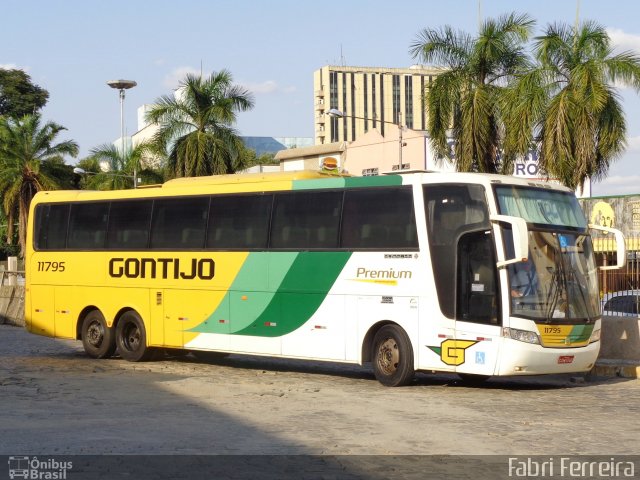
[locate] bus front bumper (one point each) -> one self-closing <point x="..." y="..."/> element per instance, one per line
<point x="519" y="358"/>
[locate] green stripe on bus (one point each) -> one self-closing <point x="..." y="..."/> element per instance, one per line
<point x="349" y="182"/>
<point x="301" y="293"/>
<point x="580" y="333"/>
<point x="373" y="181"/>
<point x="258" y="279"/>
<point x="337" y="182"/>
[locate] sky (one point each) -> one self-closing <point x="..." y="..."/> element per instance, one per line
<point x="72" y="48"/>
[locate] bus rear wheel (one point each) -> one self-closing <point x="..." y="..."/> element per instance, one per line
<point x="97" y="338"/>
<point x="131" y="338"/>
<point x="392" y="357"/>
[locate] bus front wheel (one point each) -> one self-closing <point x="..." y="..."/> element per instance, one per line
<point x="392" y="356"/>
<point x="97" y="338"/>
<point x="131" y="338"/>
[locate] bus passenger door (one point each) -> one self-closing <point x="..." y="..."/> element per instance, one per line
<point x="477" y="327"/>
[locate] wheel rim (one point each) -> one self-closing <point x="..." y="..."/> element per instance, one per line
<point x="95" y="334"/>
<point x="388" y="356"/>
<point x="131" y="337"/>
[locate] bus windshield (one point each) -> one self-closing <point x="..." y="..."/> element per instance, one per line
<point x="541" y="206"/>
<point x="559" y="280"/>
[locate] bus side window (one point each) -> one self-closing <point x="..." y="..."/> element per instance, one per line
<point x="51" y="227"/>
<point x="379" y="218"/>
<point x="88" y="225"/>
<point x="239" y="221"/>
<point x="129" y="225"/>
<point x="299" y="216"/>
<point x="179" y="223"/>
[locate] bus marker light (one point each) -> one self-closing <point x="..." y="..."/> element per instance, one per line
<point x="222" y="320"/>
<point x="483" y="339"/>
<point x="183" y="318"/>
<point x="565" y="359"/>
<point x="244" y="297"/>
<point x="270" y="324"/>
<point x="320" y="327"/>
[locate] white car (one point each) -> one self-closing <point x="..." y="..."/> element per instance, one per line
<point x="625" y="303"/>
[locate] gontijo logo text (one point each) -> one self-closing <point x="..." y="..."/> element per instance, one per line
<point x="175" y="268"/>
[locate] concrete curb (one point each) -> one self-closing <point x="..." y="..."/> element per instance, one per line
<point x="616" y="368"/>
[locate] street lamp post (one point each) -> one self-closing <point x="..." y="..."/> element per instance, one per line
<point x="123" y="85"/>
<point x="334" y="112"/>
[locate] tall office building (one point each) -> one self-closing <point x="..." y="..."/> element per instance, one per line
<point x="370" y="98"/>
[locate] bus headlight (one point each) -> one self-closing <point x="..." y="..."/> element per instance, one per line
<point x="595" y="336"/>
<point x="521" y="335"/>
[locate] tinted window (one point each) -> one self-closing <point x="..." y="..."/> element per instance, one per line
<point x="381" y="218"/>
<point x="239" y="222"/>
<point x="88" y="225"/>
<point x="51" y="227"/>
<point x="179" y="223"/>
<point x="129" y="225"/>
<point x="306" y="220"/>
<point x="451" y="210"/>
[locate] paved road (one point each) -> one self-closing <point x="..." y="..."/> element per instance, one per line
<point x="56" y="401"/>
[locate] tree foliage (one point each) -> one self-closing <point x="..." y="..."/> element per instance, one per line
<point x="464" y="101"/>
<point x="30" y="161"/>
<point x="120" y="167"/>
<point x="567" y="103"/>
<point x="18" y="96"/>
<point x="195" y="126"/>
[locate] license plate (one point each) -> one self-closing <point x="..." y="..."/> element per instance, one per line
<point x="565" y="359"/>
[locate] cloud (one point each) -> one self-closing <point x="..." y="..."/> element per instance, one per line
<point x="617" y="185"/>
<point x="624" y="41"/>
<point x="267" y="87"/>
<point x="13" y="66"/>
<point x="633" y="145"/>
<point x="173" y="79"/>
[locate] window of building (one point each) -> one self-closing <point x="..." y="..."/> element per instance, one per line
<point x="395" y="92"/>
<point x="408" y="101"/>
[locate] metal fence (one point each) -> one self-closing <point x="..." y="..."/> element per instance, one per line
<point x="626" y="278"/>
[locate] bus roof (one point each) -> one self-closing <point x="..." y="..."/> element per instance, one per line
<point x="279" y="181"/>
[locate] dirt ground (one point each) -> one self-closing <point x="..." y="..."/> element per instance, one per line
<point x="56" y="401"/>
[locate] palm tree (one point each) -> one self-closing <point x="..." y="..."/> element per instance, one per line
<point x="29" y="162"/>
<point x="567" y="104"/>
<point x="464" y="101"/>
<point x="196" y="126"/>
<point x="121" y="166"/>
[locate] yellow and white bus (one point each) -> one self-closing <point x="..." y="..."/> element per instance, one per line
<point x="411" y="272"/>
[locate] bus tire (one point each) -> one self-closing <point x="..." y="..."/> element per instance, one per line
<point x="392" y="356"/>
<point x="97" y="338"/>
<point x="131" y="338"/>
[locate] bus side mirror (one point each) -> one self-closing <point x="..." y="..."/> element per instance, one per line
<point x="621" y="250"/>
<point x="520" y="238"/>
